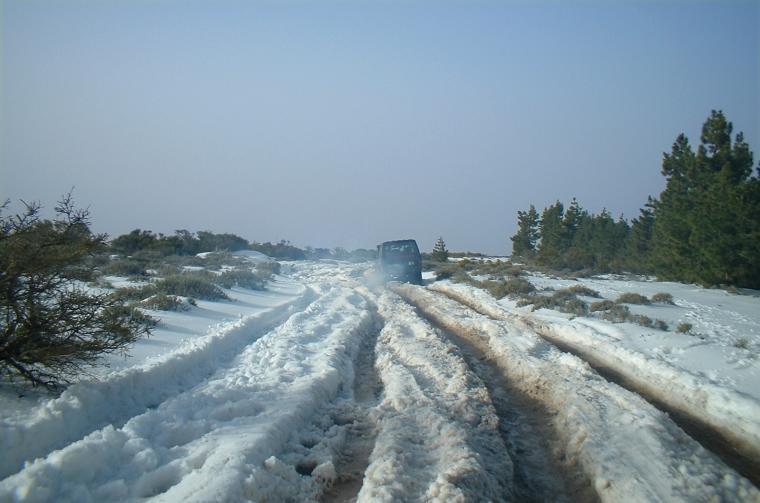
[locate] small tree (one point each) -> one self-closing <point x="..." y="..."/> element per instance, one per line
<point x="440" y="253"/>
<point x="51" y="326"/>
<point x="525" y="240"/>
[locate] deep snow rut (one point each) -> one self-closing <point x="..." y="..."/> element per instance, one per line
<point x="705" y="434"/>
<point x="541" y="472"/>
<point x="352" y="460"/>
<point x="629" y="450"/>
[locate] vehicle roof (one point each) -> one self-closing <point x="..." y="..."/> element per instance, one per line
<point x="399" y="241"/>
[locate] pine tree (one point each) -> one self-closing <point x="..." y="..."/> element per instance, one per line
<point x="672" y="256"/>
<point x="638" y="246"/>
<point x="440" y="253"/>
<point x="571" y="221"/>
<point x="527" y="236"/>
<point x="705" y="221"/>
<point x="552" y="244"/>
<point x="717" y="224"/>
<point x="52" y="327"/>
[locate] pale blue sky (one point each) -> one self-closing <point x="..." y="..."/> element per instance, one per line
<point x="350" y="123"/>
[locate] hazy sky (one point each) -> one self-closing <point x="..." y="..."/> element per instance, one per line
<point x="349" y="123"/>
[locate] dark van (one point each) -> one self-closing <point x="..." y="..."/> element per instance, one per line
<point x="400" y="261"/>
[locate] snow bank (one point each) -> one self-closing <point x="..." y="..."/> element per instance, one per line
<point x="219" y="440"/>
<point x="253" y="256"/>
<point x="438" y="434"/>
<point x="732" y="414"/>
<point x="90" y="405"/>
<point x="628" y="449"/>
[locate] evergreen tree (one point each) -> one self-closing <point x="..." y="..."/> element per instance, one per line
<point x="718" y="226"/>
<point x="705" y="221"/>
<point x="672" y="256"/>
<point x="638" y="246"/>
<point x="525" y="240"/>
<point x="570" y="223"/>
<point x="51" y="327"/>
<point x="440" y="253"/>
<point x="552" y="244"/>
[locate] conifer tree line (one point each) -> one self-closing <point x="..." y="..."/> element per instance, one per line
<point x="703" y="228"/>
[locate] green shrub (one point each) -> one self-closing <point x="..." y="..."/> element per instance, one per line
<point x="742" y="343"/>
<point x="584" y="290"/>
<point x="244" y="278"/>
<point x="562" y="300"/>
<point x="187" y="285"/>
<point x="512" y="287"/>
<point x="123" y="267"/>
<point x="602" y="305"/>
<point x="617" y="314"/>
<point x="684" y="328"/>
<point x="663" y="298"/>
<point x="217" y="260"/>
<point x="632" y="298"/>
<point x="133" y="314"/>
<point x="134" y="293"/>
<point x="163" y="302"/>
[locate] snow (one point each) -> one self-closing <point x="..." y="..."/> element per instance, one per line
<point x="630" y="450"/>
<point x="253" y="256"/>
<point x="214" y="441"/>
<point x="679" y="382"/>
<point x="436" y="421"/>
<point x="164" y="364"/>
<point x="325" y="377"/>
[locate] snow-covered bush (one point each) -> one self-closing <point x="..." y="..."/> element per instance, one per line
<point x="562" y="300"/>
<point x="163" y="302"/>
<point x="187" y="285"/>
<point x="268" y="268"/>
<point x="244" y="278"/>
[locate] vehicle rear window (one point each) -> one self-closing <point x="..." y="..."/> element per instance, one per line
<point x="402" y="248"/>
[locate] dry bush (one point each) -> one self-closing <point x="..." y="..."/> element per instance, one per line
<point x="663" y="298"/>
<point x="684" y="328"/>
<point x="618" y="314"/>
<point x="632" y="298"/>
<point x="602" y="305"/>
<point x="584" y="291"/>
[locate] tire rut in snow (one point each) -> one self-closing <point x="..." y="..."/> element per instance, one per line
<point x="540" y="471"/>
<point x="697" y="429"/>
<point x="353" y="459"/>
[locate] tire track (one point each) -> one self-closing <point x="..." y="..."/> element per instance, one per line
<point x="629" y="450"/>
<point x="353" y="459"/>
<point x="541" y="472"/>
<point x="725" y="445"/>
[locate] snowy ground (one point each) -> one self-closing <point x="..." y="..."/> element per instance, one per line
<point x="327" y="388"/>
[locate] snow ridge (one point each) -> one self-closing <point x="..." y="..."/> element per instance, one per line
<point x="733" y="414"/>
<point x="217" y="440"/>
<point x="82" y="408"/>
<point x="629" y="450"/>
<point x="438" y="434"/>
